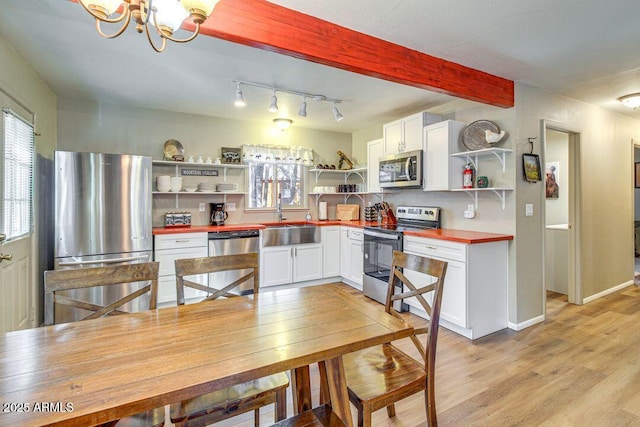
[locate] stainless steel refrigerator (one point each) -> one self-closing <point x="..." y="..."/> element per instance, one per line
<point x="102" y="217"/>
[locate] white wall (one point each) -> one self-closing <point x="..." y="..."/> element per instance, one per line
<point x="606" y="170"/>
<point x="90" y="126"/>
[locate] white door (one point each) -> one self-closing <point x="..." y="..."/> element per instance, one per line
<point x="307" y="262"/>
<point x="16" y="217"/>
<point x="412" y="132"/>
<point x="276" y="265"/>
<point x="375" y="150"/>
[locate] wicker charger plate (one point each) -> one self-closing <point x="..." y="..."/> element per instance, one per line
<point x="473" y="135"/>
<point x="172" y="147"/>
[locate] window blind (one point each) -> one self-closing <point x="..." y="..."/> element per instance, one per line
<point x="18" y="161"/>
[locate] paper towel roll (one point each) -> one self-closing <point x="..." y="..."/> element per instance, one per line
<point x="322" y="210"/>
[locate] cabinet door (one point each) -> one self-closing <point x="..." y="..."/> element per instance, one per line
<point x="375" y="150"/>
<point x="330" y="251"/>
<point x="436" y="157"/>
<point x="392" y="137"/>
<point x="440" y="141"/>
<point x="276" y="265"/>
<point x="356" y="250"/>
<point x="345" y="253"/>
<point x="412" y="132"/>
<point x="454" y="296"/>
<point x="307" y="262"/>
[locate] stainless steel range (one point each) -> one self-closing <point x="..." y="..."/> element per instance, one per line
<point x="380" y="241"/>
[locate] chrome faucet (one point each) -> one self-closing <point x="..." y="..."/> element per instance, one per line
<point x="279" y="208"/>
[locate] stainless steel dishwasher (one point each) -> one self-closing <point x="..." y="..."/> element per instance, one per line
<point x="232" y="243"/>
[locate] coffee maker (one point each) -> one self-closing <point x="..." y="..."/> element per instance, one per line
<point x="218" y="214"/>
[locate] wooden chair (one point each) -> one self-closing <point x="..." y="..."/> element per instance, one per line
<point x="82" y="278"/>
<point x="320" y="416"/>
<point x="250" y="396"/>
<point x="380" y="376"/>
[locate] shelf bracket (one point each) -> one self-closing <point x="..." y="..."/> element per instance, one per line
<point x="501" y="196"/>
<point x="500" y="193"/>
<point x="501" y="156"/>
<point x="474" y="197"/>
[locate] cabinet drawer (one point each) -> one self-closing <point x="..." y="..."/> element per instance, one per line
<point x="181" y="240"/>
<point x="436" y="248"/>
<point x="167" y="258"/>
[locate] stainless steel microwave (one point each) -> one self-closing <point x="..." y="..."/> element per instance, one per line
<point x="402" y="170"/>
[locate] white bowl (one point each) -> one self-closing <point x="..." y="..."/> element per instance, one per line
<point x="190" y="189"/>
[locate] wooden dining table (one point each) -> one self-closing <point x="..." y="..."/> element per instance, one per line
<point x="90" y="372"/>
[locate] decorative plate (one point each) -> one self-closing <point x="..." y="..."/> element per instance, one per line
<point x="473" y="135"/>
<point x="172" y="147"/>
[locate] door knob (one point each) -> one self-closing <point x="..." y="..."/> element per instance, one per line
<point x="5" y="257"/>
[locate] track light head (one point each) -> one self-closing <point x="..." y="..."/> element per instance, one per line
<point x="274" y="103"/>
<point x="303" y="108"/>
<point x="336" y="114"/>
<point x="239" y="102"/>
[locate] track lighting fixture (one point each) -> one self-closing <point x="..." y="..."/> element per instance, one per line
<point x="303" y="107"/>
<point x="239" y="98"/>
<point x="338" y="116"/>
<point x="274" y="103"/>
<point x="273" y="106"/>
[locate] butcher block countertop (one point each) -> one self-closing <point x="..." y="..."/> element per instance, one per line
<point x="461" y="236"/>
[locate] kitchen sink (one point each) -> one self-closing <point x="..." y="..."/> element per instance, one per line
<point x="290" y="234"/>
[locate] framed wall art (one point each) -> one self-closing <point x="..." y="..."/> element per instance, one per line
<point x="531" y="167"/>
<point x="637" y="175"/>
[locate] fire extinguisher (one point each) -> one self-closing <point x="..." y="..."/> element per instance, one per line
<point x="467" y="176"/>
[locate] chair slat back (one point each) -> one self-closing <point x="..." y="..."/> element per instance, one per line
<point x="215" y="264"/>
<point x="434" y="268"/>
<point x="56" y="281"/>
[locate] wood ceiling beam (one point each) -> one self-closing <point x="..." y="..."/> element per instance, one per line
<point x="264" y="25"/>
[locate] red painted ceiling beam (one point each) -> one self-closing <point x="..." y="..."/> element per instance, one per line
<point x="264" y="25"/>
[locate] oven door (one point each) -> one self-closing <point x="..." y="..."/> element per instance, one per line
<point x="378" y="254"/>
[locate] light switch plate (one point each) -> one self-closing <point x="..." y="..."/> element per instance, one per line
<point x="231" y="207"/>
<point x="528" y="209"/>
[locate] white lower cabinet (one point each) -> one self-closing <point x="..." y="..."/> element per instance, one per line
<point x="330" y="236"/>
<point x="167" y="249"/>
<point x="474" y="301"/>
<point x="281" y="265"/>
<point x="351" y="255"/>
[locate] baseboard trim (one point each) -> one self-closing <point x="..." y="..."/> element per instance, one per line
<point x="527" y="323"/>
<point x="607" y="292"/>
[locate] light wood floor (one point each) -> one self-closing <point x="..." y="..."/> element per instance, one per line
<point x="581" y="367"/>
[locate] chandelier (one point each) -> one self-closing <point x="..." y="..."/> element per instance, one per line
<point x="165" y="15"/>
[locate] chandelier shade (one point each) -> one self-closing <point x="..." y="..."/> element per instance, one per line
<point x="166" y="16"/>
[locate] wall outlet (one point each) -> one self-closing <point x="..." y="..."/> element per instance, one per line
<point x="528" y="209"/>
<point x="201" y="207"/>
<point x="470" y="207"/>
<point x="231" y="207"/>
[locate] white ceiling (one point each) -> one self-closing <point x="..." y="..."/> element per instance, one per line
<point x="585" y="49"/>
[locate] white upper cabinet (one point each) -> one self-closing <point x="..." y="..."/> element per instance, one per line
<point x="375" y="150"/>
<point x="440" y="141"/>
<point x="406" y="134"/>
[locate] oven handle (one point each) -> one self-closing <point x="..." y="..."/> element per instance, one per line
<point x="386" y="236"/>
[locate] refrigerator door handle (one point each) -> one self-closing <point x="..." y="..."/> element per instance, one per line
<point x="104" y="261"/>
